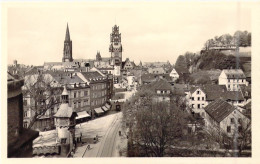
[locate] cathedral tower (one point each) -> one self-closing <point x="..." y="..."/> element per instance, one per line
<point x="67" y="51"/>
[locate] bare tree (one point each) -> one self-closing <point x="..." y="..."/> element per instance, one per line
<point x="42" y="94"/>
<point x="153" y="126"/>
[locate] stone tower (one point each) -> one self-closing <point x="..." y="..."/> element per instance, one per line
<point x="67" y="51"/>
<point x="65" y="123"/>
<point x="116" y="50"/>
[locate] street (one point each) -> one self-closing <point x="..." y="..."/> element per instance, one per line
<point x="107" y="146"/>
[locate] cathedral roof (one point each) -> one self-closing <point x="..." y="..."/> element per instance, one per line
<point x="67" y="37"/>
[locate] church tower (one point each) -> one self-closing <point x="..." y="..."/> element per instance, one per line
<point x="67" y="51"/>
<point x="116" y="50"/>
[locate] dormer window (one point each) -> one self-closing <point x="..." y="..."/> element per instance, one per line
<point x="198" y="92"/>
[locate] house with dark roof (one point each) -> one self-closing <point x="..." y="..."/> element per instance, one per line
<point x="162" y="89"/>
<point x="224" y="117"/>
<point x="200" y="96"/>
<point x="148" y="78"/>
<point x="232" y="78"/>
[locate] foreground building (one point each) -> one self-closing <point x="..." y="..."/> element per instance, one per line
<point x="61" y="141"/>
<point x="225" y="118"/>
<point x="19" y="139"/>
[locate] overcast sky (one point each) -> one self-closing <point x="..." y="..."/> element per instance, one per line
<point x="150" y="32"/>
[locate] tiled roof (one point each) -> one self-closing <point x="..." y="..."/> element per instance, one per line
<point x="161" y="84"/>
<point x="214" y="92"/>
<point x="149" y="77"/>
<point x="219" y="109"/>
<point x="70" y="80"/>
<point x="248" y="105"/>
<point x="64" y="111"/>
<point x="234" y="73"/>
<point x="92" y="75"/>
<point x="180" y="89"/>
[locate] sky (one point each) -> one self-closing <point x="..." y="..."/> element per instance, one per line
<point x="150" y="31"/>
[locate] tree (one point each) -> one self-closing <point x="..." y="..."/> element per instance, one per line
<point x="42" y="94"/>
<point x="152" y="126"/>
<point x="249" y="39"/>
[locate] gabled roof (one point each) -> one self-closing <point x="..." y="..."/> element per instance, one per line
<point x="214" y="92"/>
<point x="161" y="84"/>
<point x="150" y="77"/>
<point x="219" y="109"/>
<point x="234" y="73"/>
<point x="180" y="89"/>
<point x="64" y="111"/>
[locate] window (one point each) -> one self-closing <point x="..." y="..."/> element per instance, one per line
<point x="85" y="93"/>
<point x="199" y="106"/>
<point x="192" y="98"/>
<point x="228" y="129"/>
<point x="63" y="140"/>
<point x="239" y="129"/>
<point x="202" y="98"/>
<point x="79" y="93"/>
<point x="25" y="102"/>
<point x="232" y="120"/>
<point x="228" y="86"/>
<point x="242" y="80"/>
<point x="198" y="98"/>
<point x="75" y="94"/>
<point x="198" y="92"/>
<point x="229" y="80"/>
<point x="25" y="124"/>
<point x="189" y="130"/>
<point x="25" y="114"/>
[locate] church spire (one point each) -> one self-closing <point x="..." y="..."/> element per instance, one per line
<point x="67" y="37"/>
<point x="67" y="50"/>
